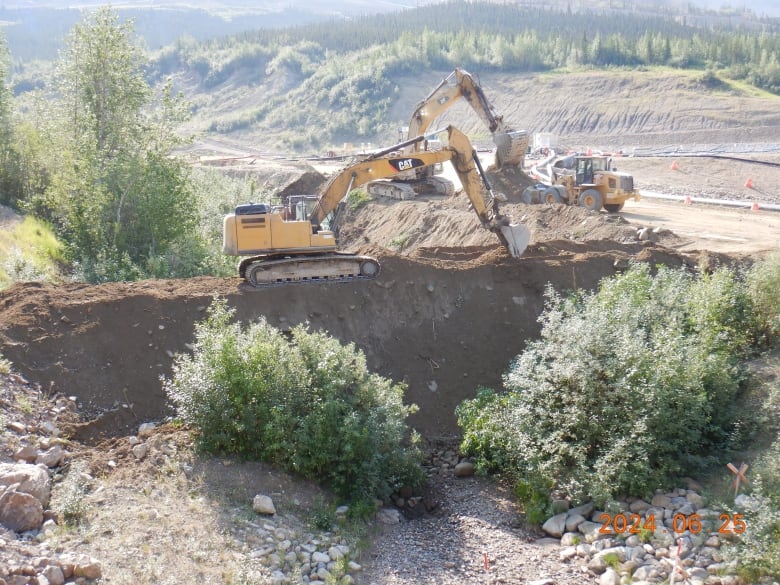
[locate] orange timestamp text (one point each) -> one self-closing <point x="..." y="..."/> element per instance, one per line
<point x="633" y="524"/>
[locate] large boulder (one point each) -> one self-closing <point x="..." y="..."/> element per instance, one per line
<point x="19" y="511"/>
<point x="32" y="480"/>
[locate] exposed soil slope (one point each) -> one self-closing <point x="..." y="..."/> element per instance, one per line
<point x="446" y="321"/>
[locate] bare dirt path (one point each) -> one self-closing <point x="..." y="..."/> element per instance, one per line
<point x="709" y="227"/>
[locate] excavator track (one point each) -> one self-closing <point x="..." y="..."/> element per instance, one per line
<point x="265" y="271"/>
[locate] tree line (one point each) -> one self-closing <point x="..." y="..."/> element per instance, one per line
<point x="503" y="37"/>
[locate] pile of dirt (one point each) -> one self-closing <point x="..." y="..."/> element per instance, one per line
<point x="406" y="226"/>
<point x="445" y="321"/>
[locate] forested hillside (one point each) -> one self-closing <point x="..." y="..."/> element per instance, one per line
<point x="351" y="69"/>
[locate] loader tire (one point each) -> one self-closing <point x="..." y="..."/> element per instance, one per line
<point x="551" y="196"/>
<point x="613" y="207"/>
<point x="591" y="200"/>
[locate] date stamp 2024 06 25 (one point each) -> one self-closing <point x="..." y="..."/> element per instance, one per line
<point x="632" y="524"/>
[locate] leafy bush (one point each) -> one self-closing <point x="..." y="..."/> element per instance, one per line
<point x="357" y="198"/>
<point x="626" y="388"/>
<point x="758" y="550"/>
<point x="306" y="403"/>
<point x="763" y="282"/>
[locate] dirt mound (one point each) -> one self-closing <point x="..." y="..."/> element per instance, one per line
<point x="446" y="321"/>
<point x="406" y="226"/>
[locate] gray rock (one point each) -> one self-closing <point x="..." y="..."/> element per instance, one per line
<point x="335" y="553"/>
<point x="140" y="450"/>
<point x="585" y="509"/>
<point x="320" y="557"/>
<point x="556" y="525"/>
<point x="609" y="577"/>
<point x="32" y="480"/>
<point x="464" y="469"/>
<point x="388" y="516"/>
<point x="53" y="457"/>
<point x="560" y="506"/>
<point x="686" y="509"/>
<point x="263" y="505"/>
<point x="618" y="551"/>
<point x="146" y="429"/>
<point x="638" y="506"/>
<point x="88" y="568"/>
<point x="591" y="531"/>
<point x="54" y="574"/>
<point x="20" y="511"/>
<point x="597" y="565"/>
<point x="573" y="521"/>
<point x="645" y="573"/>
<point x="571" y="539"/>
<point x="567" y="553"/>
<point x="661" y="501"/>
<point x="26" y="453"/>
<point x="695" y="499"/>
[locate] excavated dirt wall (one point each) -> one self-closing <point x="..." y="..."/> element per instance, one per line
<point x="446" y="322"/>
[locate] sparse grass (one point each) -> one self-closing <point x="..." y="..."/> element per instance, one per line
<point x="69" y="501"/>
<point x="5" y="365"/>
<point x="612" y="560"/>
<point x="24" y="403"/>
<point x="398" y="242"/>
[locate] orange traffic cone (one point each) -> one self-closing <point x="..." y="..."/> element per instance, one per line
<point x="749" y="183"/>
<point x="755" y="206"/>
<point x="674" y="166"/>
<point x="688" y="200"/>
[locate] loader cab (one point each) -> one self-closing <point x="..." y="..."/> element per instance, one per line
<point x="584" y="171"/>
<point x="588" y="166"/>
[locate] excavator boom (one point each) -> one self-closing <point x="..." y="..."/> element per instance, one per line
<point x="511" y="145"/>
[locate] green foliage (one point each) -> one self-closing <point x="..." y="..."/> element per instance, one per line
<point x="69" y="498"/>
<point x="763" y="281"/>
<point x="627" y="387"/>
<point x="758" y="550"/>
<point x="305" y="403"/>
<point x="122" y="204"/>
<point x="28" y="252"/>
<point x="5" y="365"/>
<point x="357" y="198"/>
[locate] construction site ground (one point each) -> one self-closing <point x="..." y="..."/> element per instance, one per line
<point x="447" y="315"/>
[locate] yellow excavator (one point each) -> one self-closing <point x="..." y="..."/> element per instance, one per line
<point x="293" y="242"/>
<point x="511" y="145"/>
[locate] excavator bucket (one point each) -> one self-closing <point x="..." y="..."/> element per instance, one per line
<point x="511" y="147"/>
<point x="516" y="238"/>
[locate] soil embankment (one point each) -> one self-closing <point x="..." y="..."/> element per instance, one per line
<point x="446" y="322"/>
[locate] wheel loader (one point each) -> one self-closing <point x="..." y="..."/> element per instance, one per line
<point x="296" y="242"/>
<point x="589" y="181"/>
<point x="511" y="145"/>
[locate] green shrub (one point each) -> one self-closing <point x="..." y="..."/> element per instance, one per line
<point x="306" y="403"/>
<point x="357" y="198"/>
<point x="758" y="550"/>
<point x="763" y="283"/>
<point x="627" y="387"/>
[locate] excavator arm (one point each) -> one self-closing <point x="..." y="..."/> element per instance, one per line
<point x="510" y="145"/>
<point x="390" y="162"/>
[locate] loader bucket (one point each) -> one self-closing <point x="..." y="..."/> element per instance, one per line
<point x="516" y="238"/>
